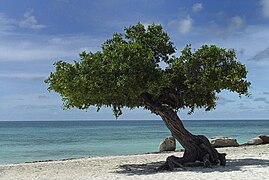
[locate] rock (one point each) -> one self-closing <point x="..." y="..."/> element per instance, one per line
<point x="168" y="144"/>
<point x="255" y="141"/>
<point x="264" y="138"/>
<point x="223" y="141"/>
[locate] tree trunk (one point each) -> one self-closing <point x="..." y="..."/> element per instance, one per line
<point x="198" y="150"/>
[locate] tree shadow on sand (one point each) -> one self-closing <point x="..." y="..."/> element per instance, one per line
<point x="232" y="165"/>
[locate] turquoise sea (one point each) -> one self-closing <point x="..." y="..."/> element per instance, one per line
<point x="52" y="140"/>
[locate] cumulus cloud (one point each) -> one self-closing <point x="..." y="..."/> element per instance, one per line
<point x="233" y="25"/>
<point x="262" y="55"/>
<point x="265" y="8"/>
<point x="30" y="21"/>
<point x="183" y="26"/>
<point x="197" y="7"/>
<point x="8" y="25"/>
<point x="237" y="23"/>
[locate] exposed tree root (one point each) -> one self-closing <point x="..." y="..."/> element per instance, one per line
<point x="203" y="155"/>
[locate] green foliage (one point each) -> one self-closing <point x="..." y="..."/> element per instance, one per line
<point x="128" y="67"/>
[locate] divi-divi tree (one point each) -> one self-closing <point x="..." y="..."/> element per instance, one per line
<point x="139" y="69"/>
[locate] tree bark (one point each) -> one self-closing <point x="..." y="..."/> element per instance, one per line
<point x="198" y="150"/>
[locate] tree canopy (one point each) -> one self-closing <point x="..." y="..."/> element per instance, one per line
<point x="142" y="61"/>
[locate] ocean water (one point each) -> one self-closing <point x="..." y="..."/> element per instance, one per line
<point x="52" y="140"/>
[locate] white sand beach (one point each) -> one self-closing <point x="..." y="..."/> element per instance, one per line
<point x="245" y="162"/>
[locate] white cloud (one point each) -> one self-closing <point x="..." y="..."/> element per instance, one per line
<point x="21" y="47"/>
<point x="234" y="24"/>
<point x="265" y="8"/>
<point x="237" y="23"/>
<point x="29" y="21"/>
<point x="9" y="25"/>
<point x="185" y="25"/>
<point x="6" y="24"/>
<point x="22" y="75"/>
<point x="197" y="7"/>
<point x="33" y="53"/>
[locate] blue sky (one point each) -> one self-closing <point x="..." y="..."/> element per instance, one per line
<point x="35" y="33"/>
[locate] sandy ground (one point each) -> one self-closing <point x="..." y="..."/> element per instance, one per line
<point x="246" y="162"/>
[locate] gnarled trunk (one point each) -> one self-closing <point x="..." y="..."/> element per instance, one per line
<point x="198" y="150"/>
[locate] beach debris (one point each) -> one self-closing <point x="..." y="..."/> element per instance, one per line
<point x="223" y="141"/>
<point x="168" y="144"/>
